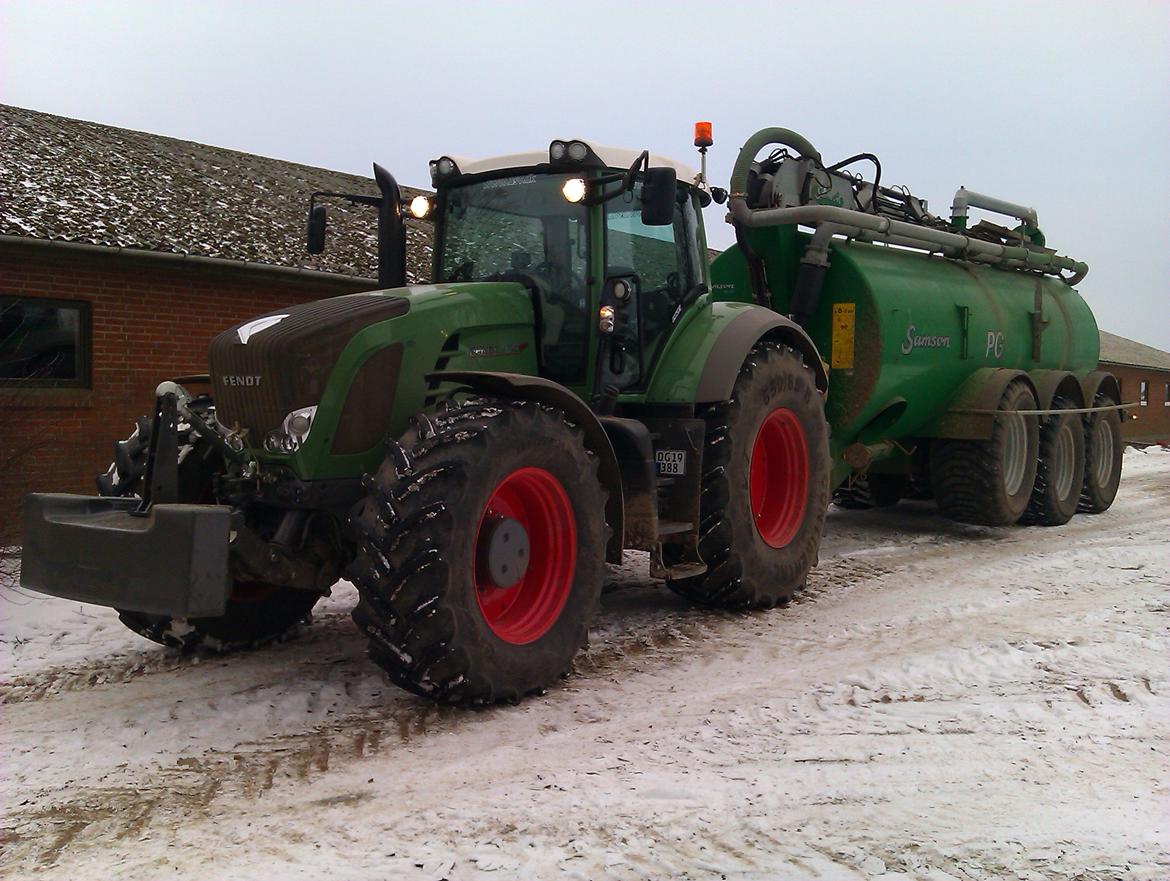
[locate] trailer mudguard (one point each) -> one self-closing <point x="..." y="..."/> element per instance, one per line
<point x="545" y="391"/>
<point x="1101" y="382"/>
<point x="734" y="343"/>
<point x="967" y="417"/>
<point x="1053" y="383"/>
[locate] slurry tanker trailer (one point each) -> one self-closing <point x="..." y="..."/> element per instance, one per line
<point x="580" y="380"/>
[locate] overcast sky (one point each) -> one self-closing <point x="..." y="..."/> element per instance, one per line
<point x="1064" y="106"/>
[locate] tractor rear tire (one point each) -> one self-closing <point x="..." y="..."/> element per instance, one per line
<point x="765" y="485"/>
<point x="1060" y="468"/>
<point x="482" y="493"/>
<point x="990" y="482"/>
<point x="1103" y="454"/>
<point x="256" y="613"/>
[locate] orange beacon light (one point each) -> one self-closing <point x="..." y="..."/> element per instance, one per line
<point x="703" y="135"/>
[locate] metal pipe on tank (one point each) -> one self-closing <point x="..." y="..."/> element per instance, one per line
<point x="965" y="198"/>
<point x="815" y="215"/>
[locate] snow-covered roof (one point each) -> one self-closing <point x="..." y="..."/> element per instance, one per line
<point x="1119" y="350"/>
<point x="613" y="157"/>
<point x="77" y="181"/>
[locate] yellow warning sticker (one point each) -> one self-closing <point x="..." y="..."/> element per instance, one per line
<point x="843" y="331"/>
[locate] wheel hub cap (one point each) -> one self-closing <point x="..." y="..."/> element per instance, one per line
<point x="778" y="477"/>
<point x="1102" y="451"/>
<point x="1064" y="460"/>
<point x="507" y="552"/>
<point x="525" y="555"/>
<point x="1015" y="452"/>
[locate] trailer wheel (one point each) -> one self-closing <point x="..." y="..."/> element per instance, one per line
<point x="1060" y="468"/>
<point x="1103" y="453"/>
<point x="256" y="613"/>
<point x="990" y="482"/>
<point x="481" y="551"/>
<point x="765" y="488"/>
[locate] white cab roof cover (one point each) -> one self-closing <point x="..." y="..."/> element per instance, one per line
<point x="613" y="157"/>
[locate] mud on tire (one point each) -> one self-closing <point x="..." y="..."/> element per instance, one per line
<point x="1103" y="456"/>
<point x="990" y="482"/>
<point x="429" y="611"/>
<point x="1060" y="468"/>
<point x="744" y="569"/>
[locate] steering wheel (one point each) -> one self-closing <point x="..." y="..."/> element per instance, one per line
<point x="576" y="282"/>
<point x="462" y="272"/>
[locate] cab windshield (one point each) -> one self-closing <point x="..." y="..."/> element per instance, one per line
<point x="522" y="229"/>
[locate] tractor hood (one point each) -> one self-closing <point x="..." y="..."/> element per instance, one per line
<point x="267" y="367"/>
<point x="355" y="357"/>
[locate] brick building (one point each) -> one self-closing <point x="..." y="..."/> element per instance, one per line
<point x="121" y="255"/>
<point x="1144" y="373"/>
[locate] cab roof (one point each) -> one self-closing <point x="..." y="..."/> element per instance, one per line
<point x="613" y="157"/>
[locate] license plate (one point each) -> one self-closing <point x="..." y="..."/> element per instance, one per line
<point x="671" y="461"/>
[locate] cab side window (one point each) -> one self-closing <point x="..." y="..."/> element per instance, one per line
<point x="664" y="262"/>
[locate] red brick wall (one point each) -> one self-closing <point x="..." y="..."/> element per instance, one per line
<point x="152" y="320"/>
<point x="1151" y="423"/>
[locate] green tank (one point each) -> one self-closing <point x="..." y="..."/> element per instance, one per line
<point x="903" y="332"/>
<point x="924" y="323"/>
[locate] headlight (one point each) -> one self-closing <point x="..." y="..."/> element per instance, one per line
<point x="293" y="432"/>
<point x="420" y="207"/>
<point x="442" y="167"/>
<point x="574" y="190"/>
<point x="606" y="320"/>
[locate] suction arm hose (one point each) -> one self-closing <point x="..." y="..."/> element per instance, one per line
<point x="913" y="235"/>
<point x="747" y="153"/>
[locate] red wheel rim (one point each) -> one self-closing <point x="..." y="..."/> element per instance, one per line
<point x="527" y="610"/>
<point x="778" y="477"/>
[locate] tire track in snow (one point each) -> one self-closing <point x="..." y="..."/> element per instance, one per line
<point x="1015" y="645"/>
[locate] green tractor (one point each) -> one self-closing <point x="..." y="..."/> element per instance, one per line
<point x="471" y="452"/>
<point x="580" y="380"/>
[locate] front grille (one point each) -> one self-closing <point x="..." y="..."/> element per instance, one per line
<point x="285" y="366"/>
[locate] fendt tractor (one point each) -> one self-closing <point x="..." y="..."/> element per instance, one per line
<point x="578" y="380"/>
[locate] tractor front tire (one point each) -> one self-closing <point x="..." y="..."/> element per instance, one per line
<point x="765" y="485"/>
<point x="481" y="549"/>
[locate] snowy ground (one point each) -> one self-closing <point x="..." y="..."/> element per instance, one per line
<point x="944" y="702"/>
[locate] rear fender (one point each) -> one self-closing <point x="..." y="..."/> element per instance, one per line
<point x="981" y="392"/>
<point x="544" y="391"/>
<point x="736" y="340"/>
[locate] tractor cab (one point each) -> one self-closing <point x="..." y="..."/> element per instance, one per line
<point x="609" y="243"/>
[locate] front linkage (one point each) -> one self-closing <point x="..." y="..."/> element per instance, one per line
<point x="182" y="541"/>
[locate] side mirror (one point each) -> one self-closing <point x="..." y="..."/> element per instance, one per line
<point x="659" y="189"/>
<point x="316" y="229"/>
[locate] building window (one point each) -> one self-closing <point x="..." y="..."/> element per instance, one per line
<point x="1144" y="392"/>
<point x="44" y="343"/>
<point x="1166" y="403"/>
